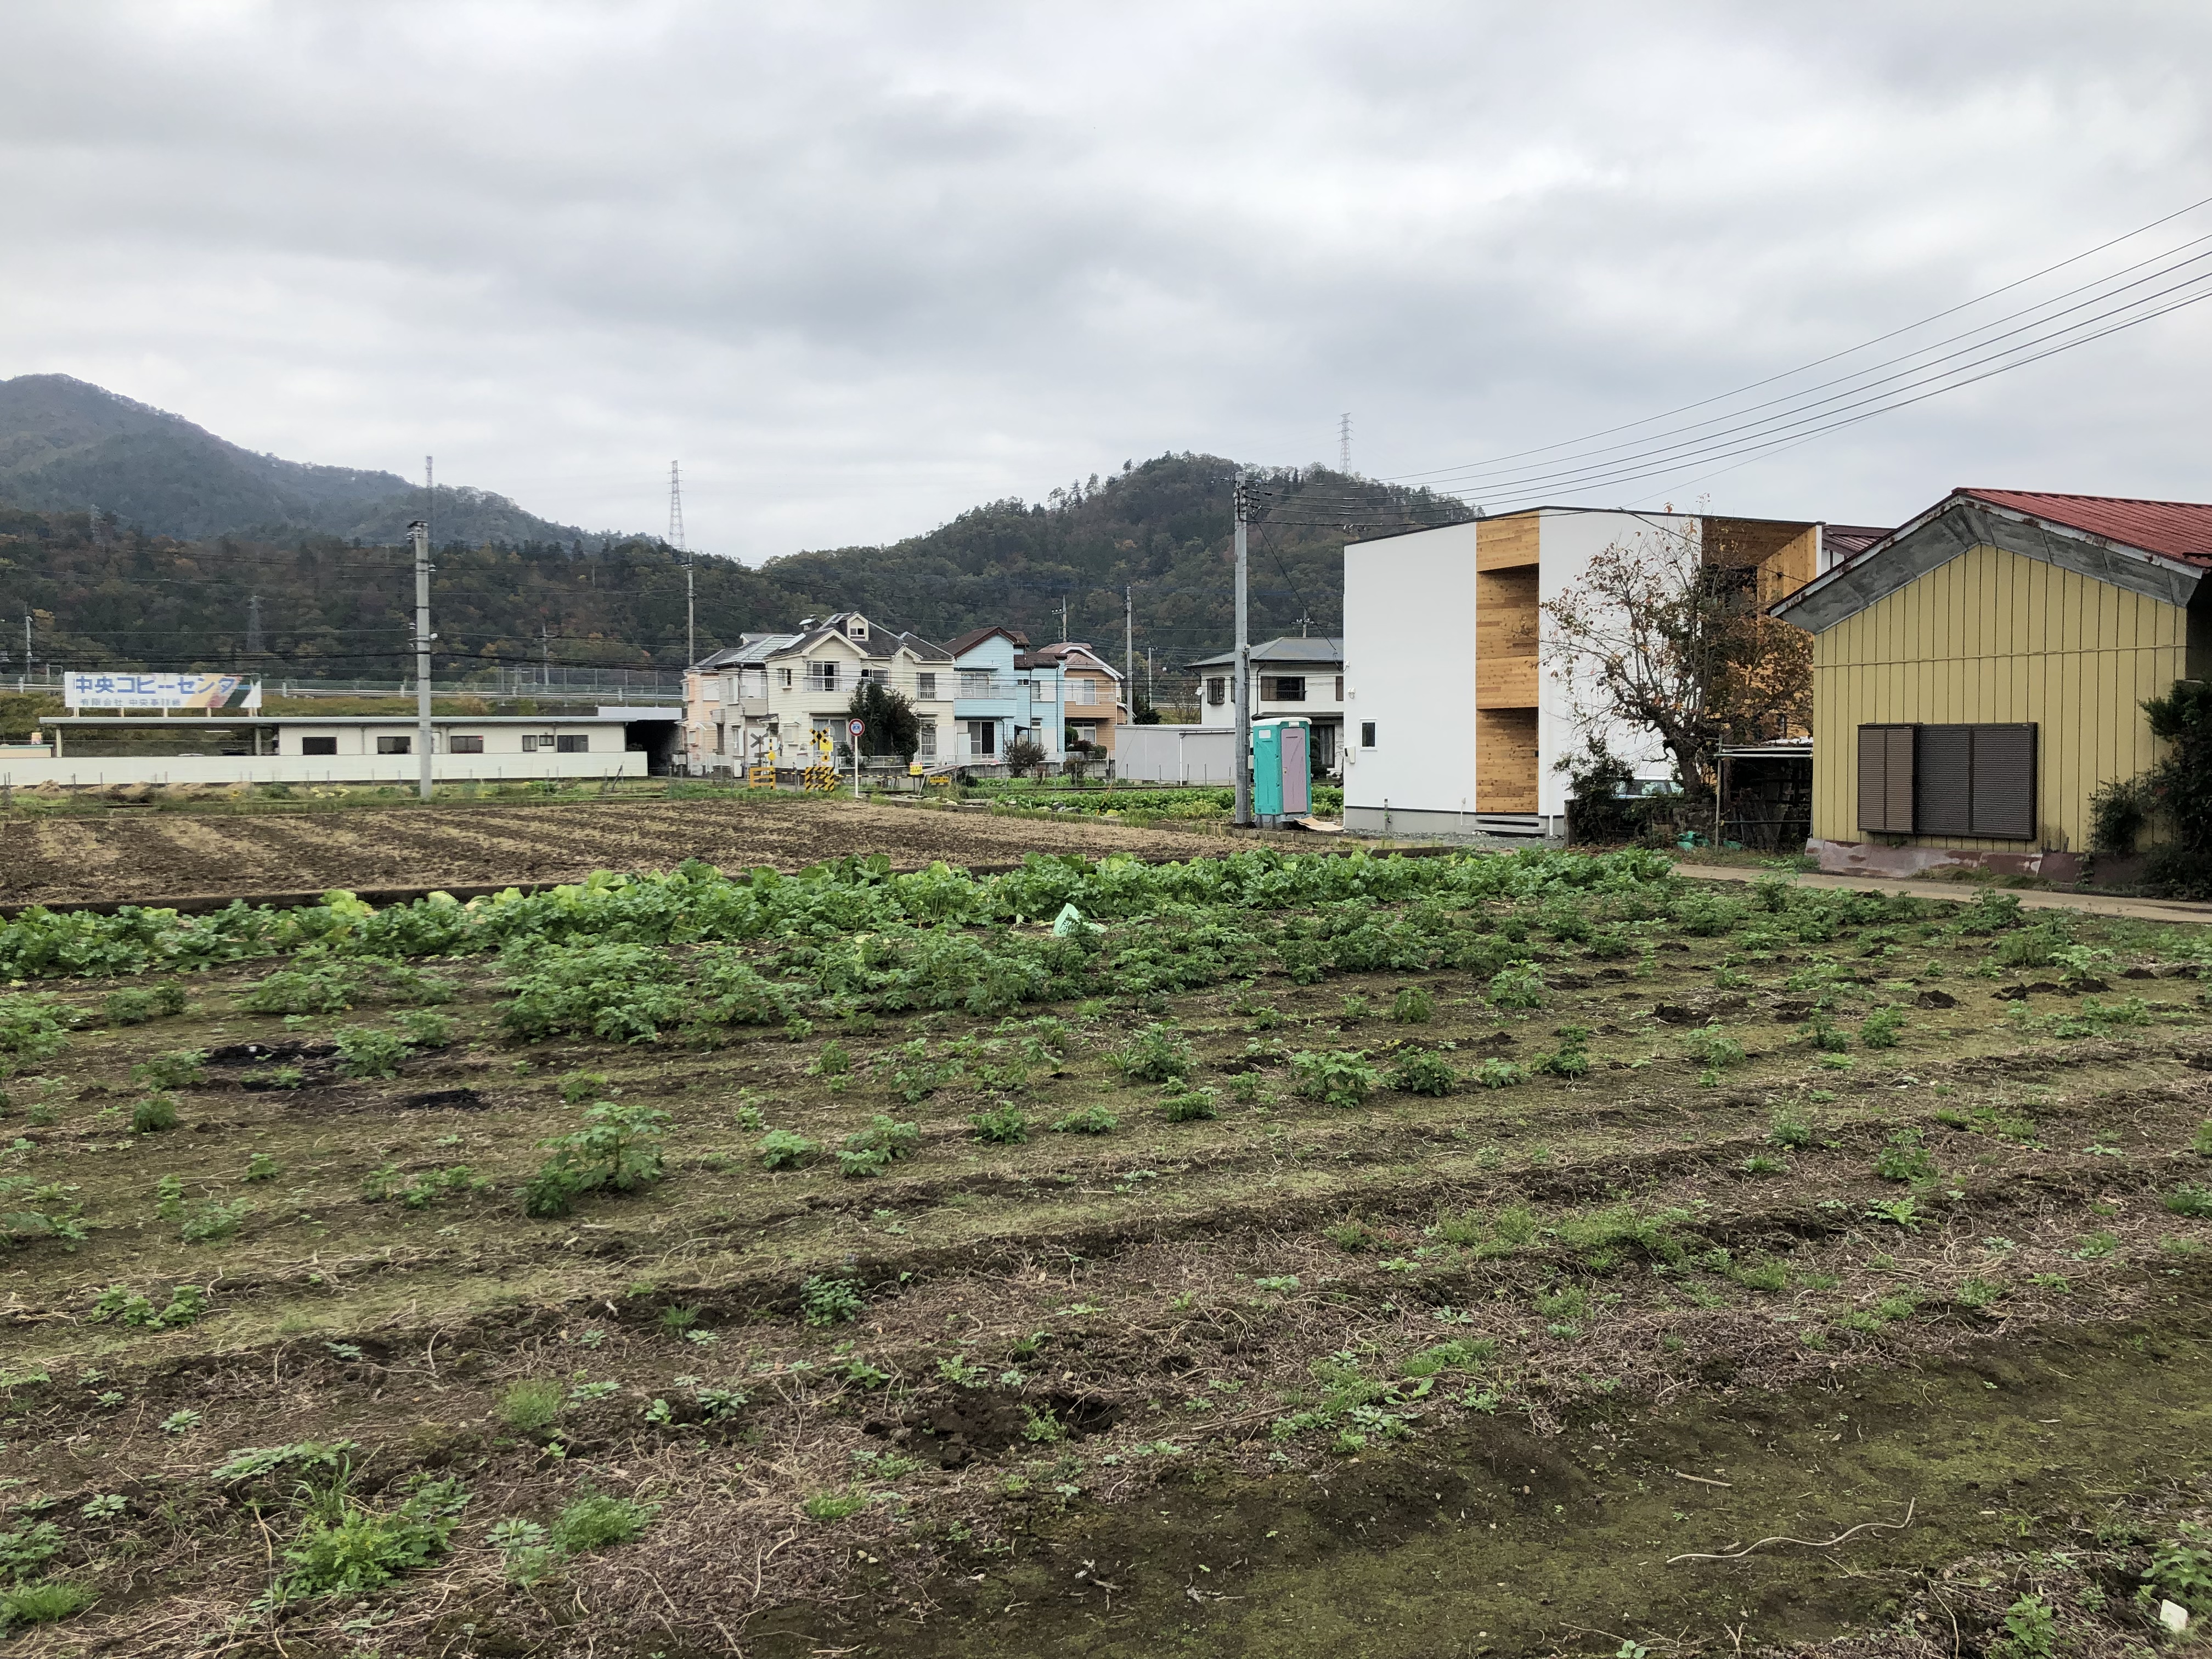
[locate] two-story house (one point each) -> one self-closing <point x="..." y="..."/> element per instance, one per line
<point x="994" y="702"/>
<point x="781" y="699"/>
<point x="1290" y="678"/>
<point x="1077" y="695"/>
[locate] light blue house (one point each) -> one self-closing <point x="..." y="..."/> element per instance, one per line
<point x="992" y="704"/>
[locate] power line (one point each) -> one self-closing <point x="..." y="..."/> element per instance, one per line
<point x="1834" y="357"/>
<point x="1595" y="467"/>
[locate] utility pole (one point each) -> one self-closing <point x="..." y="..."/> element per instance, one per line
<point x="1243" y="672"/>
<point x="545" y="654"/>
<point x="1129" y="646"/>
<point x="676" y="540"/>
<point x="253" y="625"/>
<point x="1063" y="622"/>
<point x="420" y="530"/>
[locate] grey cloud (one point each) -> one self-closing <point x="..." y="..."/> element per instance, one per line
<point x="861" y="265"/>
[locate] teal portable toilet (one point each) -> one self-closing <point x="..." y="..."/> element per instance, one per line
<point x="1282" y="772"/>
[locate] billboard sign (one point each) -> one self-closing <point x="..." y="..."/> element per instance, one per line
<point x="97" y="689"/>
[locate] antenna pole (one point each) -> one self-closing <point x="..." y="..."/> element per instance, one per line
<point x="419" y="531"/>
<point x="1244" y="672"/>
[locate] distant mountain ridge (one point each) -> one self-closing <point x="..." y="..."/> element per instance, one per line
<point x="66" y="446"/>
<point x="206" y="537"/>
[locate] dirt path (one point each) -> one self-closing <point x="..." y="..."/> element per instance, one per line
<point x="148" y="857"/>
<point x="2096" y="904"/>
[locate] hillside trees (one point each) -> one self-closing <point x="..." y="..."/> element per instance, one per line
<point x="1162" y="527"/>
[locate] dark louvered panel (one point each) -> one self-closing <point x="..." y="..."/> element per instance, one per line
<point x="1885" y="779"/>
<point x="2004" y="782"/>
<point x="1874" y="792"/>
<point x="1903" y="762"/>
<point x="1945" y="777"/>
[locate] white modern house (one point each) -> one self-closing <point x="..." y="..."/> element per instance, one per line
<point x="1291" y="678"/>
<point x="781" y="699"/>
<point x="1460" y="706"/>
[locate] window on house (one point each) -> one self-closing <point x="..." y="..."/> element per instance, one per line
<point x="1975" y="781"/>
<point x="875" y="677"/>
<point x="1340" y="688"/>
<point x="395" y="745"/>
<point x="319" y="745"/>
<point x="786" y="681"/>
<point x="1217" y="689"/>
<point x="1284" y="688"/>
<point x="982" y="737"/>
<point x="822" y="677"/>
<point x="974" y="682"/>
<point x="579" y="744"/>
<point x="1948" y="780"/>
<point x="534" y="741"/>
<point x="1082" y="689"/>
<point x="1886" y="756"/>
<point x="925" y="687"/>
<point x="459" y="744"/>
<point x="1045" y="688"/>
<point x="1367" y="734"/>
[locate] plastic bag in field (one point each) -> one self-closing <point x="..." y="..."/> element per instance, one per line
<point x="1070" y="922"/>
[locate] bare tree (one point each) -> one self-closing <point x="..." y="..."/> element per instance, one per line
<point x="1663" y="634"/>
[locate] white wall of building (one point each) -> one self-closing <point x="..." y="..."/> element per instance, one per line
<point x="1409" y="661"/>
<point x="1570" y="542"/>
<point x="1176" y="754"/>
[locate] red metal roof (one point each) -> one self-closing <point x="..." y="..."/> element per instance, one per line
<point x="2174" y="530"/>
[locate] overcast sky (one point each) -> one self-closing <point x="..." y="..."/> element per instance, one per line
<point x="861" y="266"/>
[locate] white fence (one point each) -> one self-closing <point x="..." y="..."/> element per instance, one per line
<point x="1174" y="753"/>
<point x="119" y="771"/>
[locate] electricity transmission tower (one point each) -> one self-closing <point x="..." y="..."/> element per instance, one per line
<point x="676" y="541"/>
<point x="1344" y="442"/>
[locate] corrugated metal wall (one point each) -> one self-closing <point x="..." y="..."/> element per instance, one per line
<point x="1993" y="636"/>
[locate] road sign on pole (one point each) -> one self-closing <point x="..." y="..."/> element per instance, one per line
<point x="856" y="727"/>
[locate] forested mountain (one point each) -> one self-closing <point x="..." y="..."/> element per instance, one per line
<point x="69" y="447"/>
<point x="109" y="589"/>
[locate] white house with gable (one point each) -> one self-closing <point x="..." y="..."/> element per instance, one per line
<point x="781" y="699"/>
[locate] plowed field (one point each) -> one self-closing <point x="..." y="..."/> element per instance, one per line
<point x="1537" y="1256"/>
<point x="169" y="855"/>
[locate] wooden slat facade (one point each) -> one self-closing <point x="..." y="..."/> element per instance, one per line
<point x="1993" y="637"/>
<point x="1505" y="760"/>
<point x="1506" y="632"/>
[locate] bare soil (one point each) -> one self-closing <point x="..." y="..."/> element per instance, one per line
<point x="1408" y="1375"/>
<point x="151" y="856"/>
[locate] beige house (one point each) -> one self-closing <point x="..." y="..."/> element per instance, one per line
<point x="781" y="699"/>
<point x="1087" y="687"/>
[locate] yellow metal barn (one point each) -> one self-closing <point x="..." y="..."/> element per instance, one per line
<point x="1980" y="672"/>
